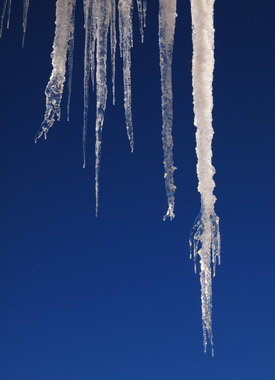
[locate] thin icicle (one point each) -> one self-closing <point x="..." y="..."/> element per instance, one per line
<point x="9" y="14"/>
<point x="93" y="26"/>
<point x="103" y="20"/>
<point x="54" y="89"/>
<point x="88" y="23"/>
<point x="3" y="16"/>
<point x="144" y="13"/>
<point x="141" y="4"/>
<point x="205" y="235"/>
<point x="26" y="4"/>
<point x="125" y="8"/>
<point x="167" y="19"/>
<point x="113" y="46"/>
<point x="71" y="59"/>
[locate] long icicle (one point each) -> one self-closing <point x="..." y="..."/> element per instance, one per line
<point x="103" y="20"/>
<point x="54" y="89"/>
<point x="141" y="5"/>
<point x="205" y="235"/>
<point x="26" y="4"/>
<point x="113" y="42"/>
<point x="3" y="16"/>
<point x="71" y="59"/>
<point x="90" y="25"/>
<point x="167" y="19"/>
<point x="125" y="8"/>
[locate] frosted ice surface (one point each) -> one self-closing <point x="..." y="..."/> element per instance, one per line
<point x="205" y="236"/>
<point x="125" y="9"/>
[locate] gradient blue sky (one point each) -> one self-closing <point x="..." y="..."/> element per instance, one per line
<point x="116" y="298"/>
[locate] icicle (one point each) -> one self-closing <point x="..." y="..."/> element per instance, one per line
<point x="54" y="89"/>
<point x="70" y="59"/>
<point x="2" y="17"/>
<point x="125" y="8"/>
<point x="93" y="28"/>
<point x="113" y="45"/>
<point x="25" y="19"/>
<point x="90" y="24"/>
<point x="205" y="236"/>
<point x="144" y="13"/>
<point x="141" y="4"/>
<point x="87" y="4"/>
<point x="167" y="18"/>
<point x="103" y="20"/>
<point x="9" y="14"/>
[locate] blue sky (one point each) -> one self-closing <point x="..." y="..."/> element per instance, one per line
<point x="115" y="297"/>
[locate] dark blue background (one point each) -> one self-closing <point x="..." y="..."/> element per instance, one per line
<point x="116" y="297"/>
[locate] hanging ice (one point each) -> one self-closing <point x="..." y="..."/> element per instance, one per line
<point x="167" y="18"/>
<point x="113" y="41"/>
<point x="26" y="4"/>
<point x="99" y="16"/>
<point x="142" y="7"/>
<point x="103" y="19"/>
<point x="125" y="9"/>
<point x="54" y="89"/>
<point x="3" y="16"/>
<point x="70" y="59"/>
<point x="90" y="28"/>
<point x="9" y="14"/>
<point x="205" y="236"/>
<point x="25" y="17"/>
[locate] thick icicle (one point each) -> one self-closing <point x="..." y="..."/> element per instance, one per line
<point x="125" y="8"/>
<point x="54" y="89"/>
<point x="167" y="18"/>
<point x="205" y="236"/>
<point x="103" y="20"/>
<point x="142" y="5"/>
<point x="71" y="59"/>
<point x="3" y="16"/>
<point x="26" y="4"/>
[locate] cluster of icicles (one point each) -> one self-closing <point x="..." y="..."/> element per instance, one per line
<point x="99" y="20"/>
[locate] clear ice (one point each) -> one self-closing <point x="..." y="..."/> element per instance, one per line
<point x="54" y="88"/>
<point x="167" y="19"/>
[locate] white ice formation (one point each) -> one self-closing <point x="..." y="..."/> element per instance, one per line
<point x="167" y="20"/>
<point x="205" y="235"/>
<point x="99" y="19"/>
<point x="54" y="88"/>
